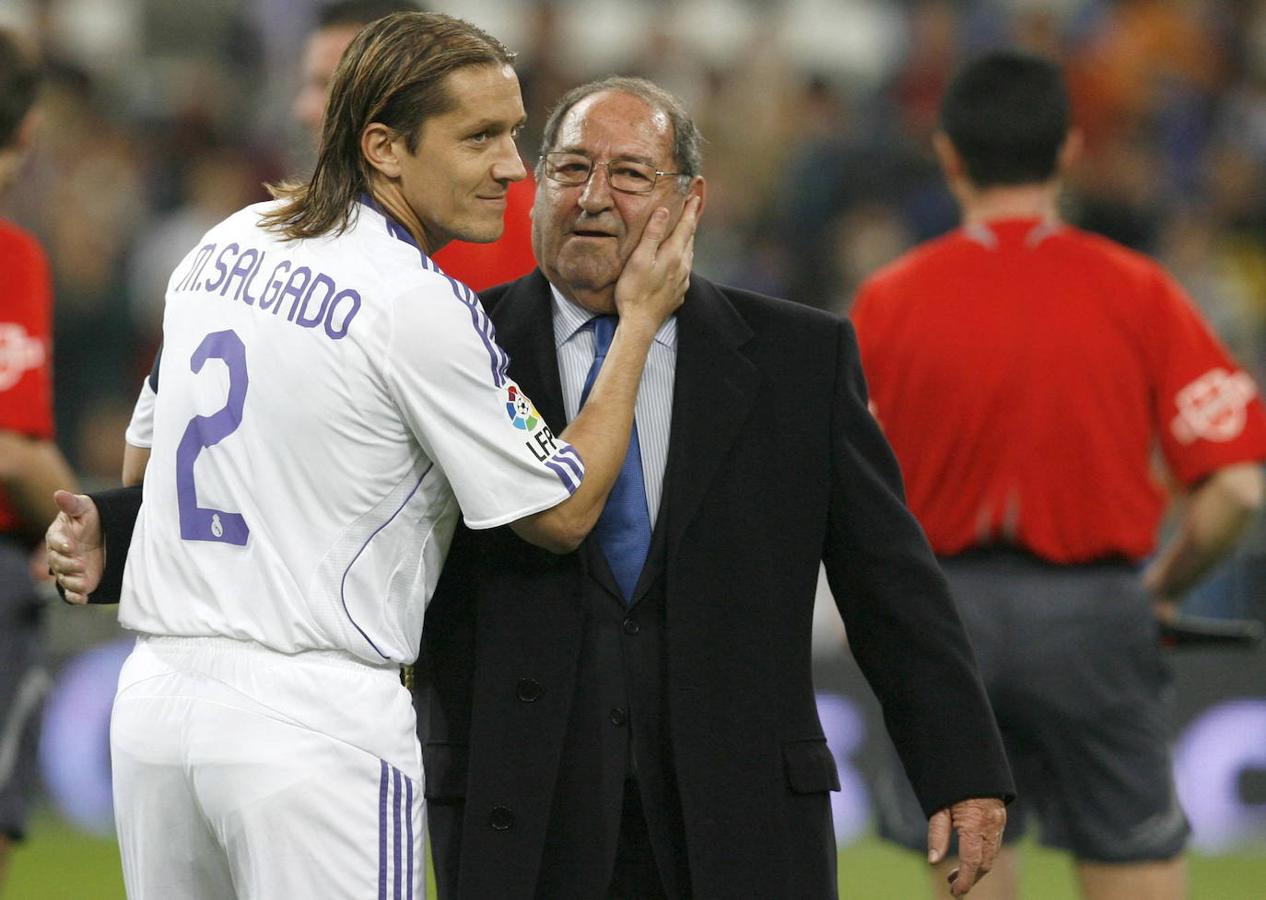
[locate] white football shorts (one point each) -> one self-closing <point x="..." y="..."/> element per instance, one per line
<point x="241" y="773"/>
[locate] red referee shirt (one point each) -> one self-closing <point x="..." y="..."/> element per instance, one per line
<point x="480" y="266"/>
<point x="1025" y="372"/>
<point x="26" y="303"/>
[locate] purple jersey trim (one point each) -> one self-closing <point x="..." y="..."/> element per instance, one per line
<point x="408" y="825"/>
<point x="483" y="325"/>
<point x="382" y="830"/>
<point x="343" y="584"/>
<point x="399" y="232"/>
<point x="564" y="475"/>
<point x="395" y="830"/>
<point x="569" y="456"/>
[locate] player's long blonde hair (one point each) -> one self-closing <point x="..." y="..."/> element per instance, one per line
<point x="394" y="72"/>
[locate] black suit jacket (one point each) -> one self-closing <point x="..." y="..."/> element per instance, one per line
<point x="774" y="465"/>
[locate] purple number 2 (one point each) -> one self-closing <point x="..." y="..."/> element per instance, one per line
<point x="199" y="523"/>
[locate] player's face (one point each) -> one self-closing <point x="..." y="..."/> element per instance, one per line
<point x="455" y="181"/>
<point x="584" y="234"/>
<point x="321" y="55"/>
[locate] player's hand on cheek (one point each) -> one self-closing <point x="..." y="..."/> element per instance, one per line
<point x="654" y="281"/>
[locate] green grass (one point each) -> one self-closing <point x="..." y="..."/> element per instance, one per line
<point x="61" y="863"/>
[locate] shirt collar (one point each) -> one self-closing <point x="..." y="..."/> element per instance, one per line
<point x="1032" y="231"/>
<point x="395" y="229"/>
<point x="571" y="317"/>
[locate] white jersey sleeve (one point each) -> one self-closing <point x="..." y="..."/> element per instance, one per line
<point x="449" y="378"/>
<point x="140" y="428"/>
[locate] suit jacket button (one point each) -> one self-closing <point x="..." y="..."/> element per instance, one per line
<point x="501" y="818"/>
<point x="630" y="626"/>
<point x="528" y="690"/>
<point x="618" y="716"/>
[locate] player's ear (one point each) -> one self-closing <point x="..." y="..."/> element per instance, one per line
<point x="698" y="188"/>
<point x="382" y="148"/>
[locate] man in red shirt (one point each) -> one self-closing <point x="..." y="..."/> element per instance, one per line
<point x="31" y="467"/>
<point x="1025" y="373"/>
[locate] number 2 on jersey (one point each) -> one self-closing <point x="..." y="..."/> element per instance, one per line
<point x="199" y="523"/>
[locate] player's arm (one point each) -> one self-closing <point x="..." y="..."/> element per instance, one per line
<point x="650" y="289"/>
<point x="30" y="470"/>
<point x="140" y="428"/>
<point x="135" y="459"/>
<point x="1212" y="516"/>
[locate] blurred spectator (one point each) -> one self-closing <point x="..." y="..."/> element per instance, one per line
<point x="31" y="466"/>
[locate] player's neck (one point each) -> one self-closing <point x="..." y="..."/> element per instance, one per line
<point x="1025" y="201"/>
<point x="393" y="204"/>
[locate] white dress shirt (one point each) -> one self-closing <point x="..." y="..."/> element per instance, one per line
<point x="574" y="345"/>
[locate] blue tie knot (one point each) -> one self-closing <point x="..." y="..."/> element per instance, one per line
<point x="603" y="332"/>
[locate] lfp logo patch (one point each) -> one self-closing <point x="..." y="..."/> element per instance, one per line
<point x="520" y="410"/>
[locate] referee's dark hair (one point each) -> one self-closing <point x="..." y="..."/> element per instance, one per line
<point x="20" y="78"/>
<point x="1007" y="115"/>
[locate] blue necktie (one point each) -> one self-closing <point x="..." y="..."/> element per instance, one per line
<point x="624" y="528"/>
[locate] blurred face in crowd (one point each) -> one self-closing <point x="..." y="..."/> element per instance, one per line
<point x="583" y="234"/>
<point x="455" y="179"/>
<point x="321" y="55"/>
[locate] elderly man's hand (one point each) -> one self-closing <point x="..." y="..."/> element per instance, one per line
<point x="73" y="545"/>
<point x="979" y="822"/>
<point x="654" y="281"/>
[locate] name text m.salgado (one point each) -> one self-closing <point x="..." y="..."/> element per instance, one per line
<point x="310" y="298"/>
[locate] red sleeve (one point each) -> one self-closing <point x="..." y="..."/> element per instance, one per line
<point x="1208" y="410"/>
<point x="26" y="403"/>
<point x="481" y="266"/>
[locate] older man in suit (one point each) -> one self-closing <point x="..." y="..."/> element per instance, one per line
<point x="637" y="719"/>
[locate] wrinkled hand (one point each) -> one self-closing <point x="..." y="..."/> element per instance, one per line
<point x="654" y="281"/>
<point x="979" y="822"/>
<point x="73" y="546"/>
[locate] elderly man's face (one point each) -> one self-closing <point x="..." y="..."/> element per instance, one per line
<point x="583" y="234"/>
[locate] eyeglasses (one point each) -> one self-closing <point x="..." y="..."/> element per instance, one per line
<point x="622" y="174"/>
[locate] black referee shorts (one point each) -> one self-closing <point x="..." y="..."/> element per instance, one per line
<point x="23" y="682"/>
<point x="1071" y="660"/>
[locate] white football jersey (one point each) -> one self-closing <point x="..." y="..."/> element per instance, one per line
<point x="324" y="407"/>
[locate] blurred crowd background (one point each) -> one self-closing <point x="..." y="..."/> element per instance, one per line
<point x="162" y="116"/>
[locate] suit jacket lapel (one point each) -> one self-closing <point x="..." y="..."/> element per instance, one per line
<point x="524" y="319"/>
<point x="712" y="398"/>
<point x="712" y="374"/>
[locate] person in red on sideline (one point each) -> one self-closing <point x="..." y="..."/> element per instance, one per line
<point x="1025" y="372"/>
<point x="31" y="466"/>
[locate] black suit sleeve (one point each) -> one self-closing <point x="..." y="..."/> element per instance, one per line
<point x="903" y="627"/>
<point x="118" y="510"/>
